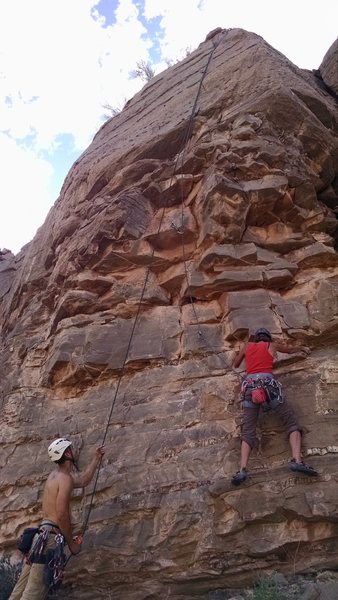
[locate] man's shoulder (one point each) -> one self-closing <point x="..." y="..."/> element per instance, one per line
<point x="60" y="477"/>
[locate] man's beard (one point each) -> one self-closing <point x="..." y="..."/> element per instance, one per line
<point x="72" y="460"/>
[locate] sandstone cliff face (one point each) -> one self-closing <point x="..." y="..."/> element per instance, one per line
<point x="234" y="229"/>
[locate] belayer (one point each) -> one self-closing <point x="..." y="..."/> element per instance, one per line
<point x="44" y="546"/>
<point x="260" y="389"/>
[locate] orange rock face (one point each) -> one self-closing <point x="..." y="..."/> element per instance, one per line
<point x="162" y="251"/>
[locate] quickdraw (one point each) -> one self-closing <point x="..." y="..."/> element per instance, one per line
<point x="55" y="564"/>
<point x="36" y="554"/>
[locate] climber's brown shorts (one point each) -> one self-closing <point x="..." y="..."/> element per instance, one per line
<point x="250" y="418"/>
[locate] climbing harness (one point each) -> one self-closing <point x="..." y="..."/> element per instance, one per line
<point x="53" y="559"/>
<point x="267" y="391"/>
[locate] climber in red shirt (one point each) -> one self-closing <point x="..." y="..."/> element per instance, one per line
<point x="259" y="388"/>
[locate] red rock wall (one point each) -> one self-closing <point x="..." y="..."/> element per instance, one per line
<point x="240" y="220"/>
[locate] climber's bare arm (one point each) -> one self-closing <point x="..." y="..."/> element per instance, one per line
<point x="84" y="477"/>
<point x="239" y="357"/>
<point x="288" y="349"/>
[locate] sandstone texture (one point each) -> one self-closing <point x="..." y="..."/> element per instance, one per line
<point x="172" y="239"/>
<point x="329" y="67"/>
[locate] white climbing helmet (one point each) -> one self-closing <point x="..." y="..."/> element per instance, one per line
<point x="57" y="448"/>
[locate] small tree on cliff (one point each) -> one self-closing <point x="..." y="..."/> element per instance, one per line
<point x="143" y="71"/>
<point x="172" y="61"/>
<point x="111" y="110"/>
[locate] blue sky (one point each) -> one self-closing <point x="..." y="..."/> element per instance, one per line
<point x="61" y="61"/>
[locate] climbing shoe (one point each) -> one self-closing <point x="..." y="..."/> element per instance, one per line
<point x="302" y="468"/>
<point x="239" y="477"/>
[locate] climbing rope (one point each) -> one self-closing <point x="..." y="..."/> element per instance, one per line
<point x="180" y="229"/>
<point x="179" y="155"/>
<point x="184" y="143"/>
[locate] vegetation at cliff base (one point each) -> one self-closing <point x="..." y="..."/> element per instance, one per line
<point x="267" y="589"/>
<point x="9" y="574"/>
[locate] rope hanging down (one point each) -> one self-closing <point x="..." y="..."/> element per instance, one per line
<point x="180" y="228"/>
<point x="185" y="140"/>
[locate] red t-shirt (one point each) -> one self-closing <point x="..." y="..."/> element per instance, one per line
<point x="258" y="358"/>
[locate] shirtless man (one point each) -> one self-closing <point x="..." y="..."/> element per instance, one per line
<point x="56" y="516"/>
<point x="259" y="356"/>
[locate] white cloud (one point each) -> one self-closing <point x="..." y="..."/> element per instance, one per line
<point x="25" y="195"/>
<point x="303" y="30"/>
<point x="58" y="66"/>
<point x="68" y="63"/>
